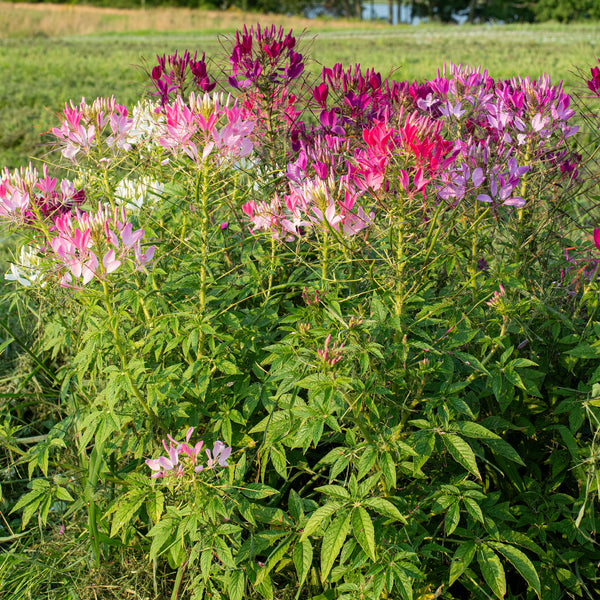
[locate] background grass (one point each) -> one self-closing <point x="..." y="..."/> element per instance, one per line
<point x="44" y="61"/>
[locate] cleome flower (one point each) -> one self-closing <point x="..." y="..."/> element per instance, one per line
<point x="29" y="270"/>
<point x="181" y="457"/>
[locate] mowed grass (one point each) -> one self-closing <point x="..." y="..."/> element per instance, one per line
<point x="51" y="54"/>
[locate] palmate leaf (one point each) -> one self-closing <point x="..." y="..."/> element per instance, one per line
<point x="333" y="540"/>
<point x="521" y="562"/>
<point x="492" y="570"/>
<point x="322" y="513"/>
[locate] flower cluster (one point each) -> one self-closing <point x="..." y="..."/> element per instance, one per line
<point x="192" y="128"/>
<point x="333" y="355"/>
<point x="264" y="55"/>
<point x="26" y="196"/>
<point x="180" y="455"/>
<point x="80" y="246"/>
<point x="173" y="74"/>
<point x="85" y="127"/>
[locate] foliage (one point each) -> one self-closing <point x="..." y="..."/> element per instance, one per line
<point x="368" y="307"/>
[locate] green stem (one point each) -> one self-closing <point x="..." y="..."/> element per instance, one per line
<point x="202" y="202"/>
<point x="271" y="268"/>
<point x="90" y="487"/>
<point x="400" y="262"/>
<point x="474" y="240"/>
<point x="115" y="331"/>
<point x="324" y="256"/>
<point x="178" y="580"/>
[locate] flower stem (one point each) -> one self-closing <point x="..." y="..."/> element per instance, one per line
<point x="202" y="202"/>
<point x="114" y="328"/>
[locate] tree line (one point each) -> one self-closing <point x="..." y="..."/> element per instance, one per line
<point x="444" y="11"/>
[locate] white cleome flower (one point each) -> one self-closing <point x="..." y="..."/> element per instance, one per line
<point x="147" y="125"/>
<point x="134" y="193"/>
<point x="29" y="270"/>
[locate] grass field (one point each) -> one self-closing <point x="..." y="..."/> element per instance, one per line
<point x="49" y="54"/>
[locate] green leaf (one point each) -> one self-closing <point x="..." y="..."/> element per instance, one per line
<point x="585" y="351"/>
<point x="295" y="505"/>
<point x="364" y="531"/>
<point x="162" y="532"/>
<point x="388" y="467"/>
<point x="492" y="570"/>
<point x="334" y="490"/>
<point x="367" y="460"/>
<point x="237" y="583"/>
<point x="461" y="560"/>
<point x="514" y="377"/>
<point x="423" y="447"/>
<point x="452" y="518"/>
<point x="154" y="505"/>
<point x="461" y="452"/>
<point x="257" y="491"/>
<point x="322" y="513"/>
<point x="521" y="562"/>
<point x="503" y="448"/>
<point x="384" y="507"/>
<point x="474" y="430"/>
<point x="303" y="557"/>
<point x="63" y="494"/>
<point x="473" y="509"/>
<point x="126" y="508"/>
<point x="333" y="540"/>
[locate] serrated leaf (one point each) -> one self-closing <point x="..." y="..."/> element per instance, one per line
<point x="388" y="467"/>
<point x="492" y="570"/>
<point x="124" y="513"/>
<point x="154" y="505"/>
<point x="461" y="452"/>
<point x="364" y="532"/>
<point x="322" y="513"/>
<point x="384" y="507"/>
<point x="334" y="490"/>
<point x="295" y="505"/>
<point x="514" y="377"/>
<point x="474" y="430"/>
<point x="452" y="518"/>
<point x="461" y="560"/>
<point x="521" y="562"/>
<point x="473" y="509"/>
<point x="63" y="494"/>
<point x="423" y="448"/>
<point x="585" y="351"/>
<point x="367" y="460"/>
<point x="303" y="557"/>
<point x="257" y="491"/>
<point x="503" y="448"/>
<point x="237" y="583"/>
<point x="333" y="540"/>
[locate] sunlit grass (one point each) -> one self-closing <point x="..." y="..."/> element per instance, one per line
<point x="54" y="53"/>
